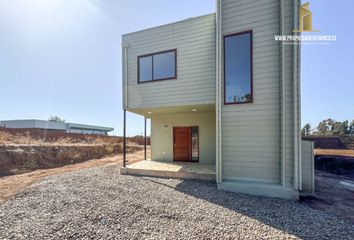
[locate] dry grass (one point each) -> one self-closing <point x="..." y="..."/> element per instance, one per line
<point x="27" y="139"/>
<point x="10" y="185"/>
<point x="335" y="152"/>
<point x="59" y="139"/>
<point x="6" y="138"/>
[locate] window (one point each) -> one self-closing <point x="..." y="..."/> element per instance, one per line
<point x="195" y="143"/>
<point x="157" y="66"/>
<point x="145" y="69"/>
<point x="238" y="68"/>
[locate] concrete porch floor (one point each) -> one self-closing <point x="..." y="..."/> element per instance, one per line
<point x="180" y="170"/>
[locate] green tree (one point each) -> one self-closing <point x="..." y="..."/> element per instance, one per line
<point x="336" y="128"/>
<point x="351" y="128"/>
<point x="56" y="119"/>
<point x="324" y="127"/>
<point x="306" y="130"/>
<point x="345" y="126"/>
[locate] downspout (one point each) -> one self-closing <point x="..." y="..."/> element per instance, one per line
<point x="125" y="75"/>
<point x="298" y="62"/>
<point x="295" y="100"/>
<point x="282" y="101"/>
<point x="125" y="97"/>
<point x="218" y="92"/>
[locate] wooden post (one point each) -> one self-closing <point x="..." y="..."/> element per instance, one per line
<point x="124" y="138"/>
<point x="145" y="142"/>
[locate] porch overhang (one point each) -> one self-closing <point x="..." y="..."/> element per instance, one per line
<point x="151" y="111"/>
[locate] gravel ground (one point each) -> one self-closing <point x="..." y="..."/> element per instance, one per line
<point x="99" y="203"/>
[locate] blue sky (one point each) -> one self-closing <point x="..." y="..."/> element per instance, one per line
<point x="328" y="71"/>
<point x="63" y="57"/>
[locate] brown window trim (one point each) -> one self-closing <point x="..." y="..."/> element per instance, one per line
<point x="152" y="54"/>
<point x="251" y="59"/>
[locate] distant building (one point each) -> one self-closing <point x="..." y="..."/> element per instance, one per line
<point x="55" y="126"/>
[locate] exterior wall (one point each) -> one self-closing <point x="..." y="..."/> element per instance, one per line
<point x="18" y="124"/>
<point x="194" y="40"/>
<point x="86" y="131"/>
<point x="251" y="133"/>
<point x="32" y="123"/>
<point x="162" y="138"/>
<point x="55" y="126"/>
<point x="308" y="168"/>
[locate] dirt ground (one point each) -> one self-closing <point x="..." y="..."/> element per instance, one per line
<point x="332" y="195"/>
<point x="10" y="185"/>
<point x="334" y="192"/>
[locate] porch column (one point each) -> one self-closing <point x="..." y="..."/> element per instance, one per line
<point x="124" y="138"/>
<point x="145" y="142"/>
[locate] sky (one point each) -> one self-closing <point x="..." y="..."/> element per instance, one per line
<point x="63" y="57"/>
<point x="327" y="72"/>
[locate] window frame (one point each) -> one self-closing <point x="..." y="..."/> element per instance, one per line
<point x="152" y="66"/>
<point x="251" y="66"/>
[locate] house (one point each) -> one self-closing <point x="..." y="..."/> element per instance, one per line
<point x="30" y="124"/>
<point x="220" y="90"/>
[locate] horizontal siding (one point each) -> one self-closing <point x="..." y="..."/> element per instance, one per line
<point x="251" y="132"/>
<point x="308" y="167"/>
<point x="194" y="40"/>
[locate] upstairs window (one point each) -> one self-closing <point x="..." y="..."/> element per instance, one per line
<point x="157" y="66"/>
<point x="238" y="68"/>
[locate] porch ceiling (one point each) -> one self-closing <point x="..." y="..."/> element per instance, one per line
<point x="148" y="112"/>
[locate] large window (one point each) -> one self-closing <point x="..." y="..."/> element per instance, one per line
<point x="157" y="66"/>
<point x="238" y="68"/>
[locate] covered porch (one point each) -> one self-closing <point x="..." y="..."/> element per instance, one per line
<point x="182" y="143"/>
<point x="180" y="170"/>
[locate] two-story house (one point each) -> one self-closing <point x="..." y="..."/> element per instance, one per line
<point x="219" y="89"/>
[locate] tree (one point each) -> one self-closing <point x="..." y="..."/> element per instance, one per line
<point x="351" y="128"/>
<point x="306" y="130"/>
<point x="345" y="127"/>
<point x="56" y="119"/>
<point x="324" y="127"/>
<point x="336" y="128"/>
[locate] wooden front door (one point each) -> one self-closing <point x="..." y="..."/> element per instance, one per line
<point x="182" y="144"/>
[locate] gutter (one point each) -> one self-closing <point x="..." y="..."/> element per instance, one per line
<point x="298" y="62"/>
<point x="282" y="100"/>
<point x="218" y="91"/>
<point x="297" y="164"/>
<point x="125" y="74"/>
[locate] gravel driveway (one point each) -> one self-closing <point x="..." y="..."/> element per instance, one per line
<point x="99" y="203"/>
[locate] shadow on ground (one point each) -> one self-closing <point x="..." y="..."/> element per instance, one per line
<point x="292" y="217"/>
<point x="333" y="195"/>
